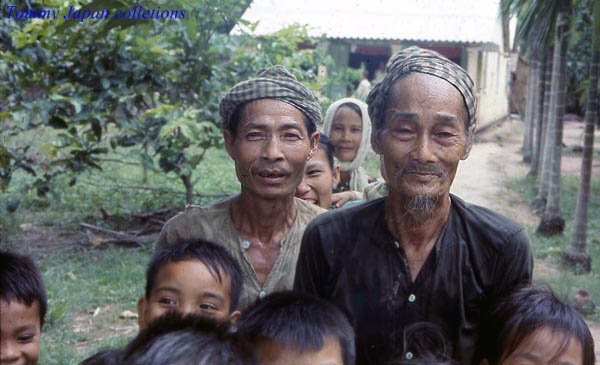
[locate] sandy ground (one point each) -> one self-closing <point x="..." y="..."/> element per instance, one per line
<point x="494" y="159"/>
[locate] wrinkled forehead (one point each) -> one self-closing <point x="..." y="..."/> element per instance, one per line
<point x="271" y="112"/>
<point x="428" y="92"/>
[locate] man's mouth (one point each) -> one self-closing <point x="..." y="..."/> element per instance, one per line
<point x="272" y="176"/>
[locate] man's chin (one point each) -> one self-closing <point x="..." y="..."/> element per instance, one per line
<point x="421" y="207"/>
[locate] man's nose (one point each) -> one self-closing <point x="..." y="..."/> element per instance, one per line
<point x="423" y="151"/>
<point x="272" y="149"/>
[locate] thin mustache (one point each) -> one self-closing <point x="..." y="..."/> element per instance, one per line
<point x="417" y="168"/>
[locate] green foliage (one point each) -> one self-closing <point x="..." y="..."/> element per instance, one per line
<point x="152" y="86"/>
<point x="580" y="54"/>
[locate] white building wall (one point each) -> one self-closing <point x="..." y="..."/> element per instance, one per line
<point x="489" y="70"/>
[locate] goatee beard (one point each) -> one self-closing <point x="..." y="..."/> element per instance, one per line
<point x="420" y="207"/>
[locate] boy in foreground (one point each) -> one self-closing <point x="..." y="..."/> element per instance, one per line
<point x="23" y="306"/>
<point x="197" y="277"/>
<point x="533" y="326"/>
<point x="294" y="328"/>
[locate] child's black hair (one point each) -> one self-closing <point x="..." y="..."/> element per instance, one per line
<point x="174" y="338"/>
<point x="20" y="280"/>
<point x="105" y="357"/>
<point x="214" y="257"/>
<point x="326" y="146"/>
<point x="298" y="320"/>
<point x="529" y="309"/>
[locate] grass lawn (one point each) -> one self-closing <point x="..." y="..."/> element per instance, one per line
<point x="563" y="280"/>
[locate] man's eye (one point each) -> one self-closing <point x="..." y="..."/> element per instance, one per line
<point x="25" y="338"/>
<point x="167" y="301"/>
<point x="445" y="134"/>
<point x="403" y="130"/>
<point x="208" y="306"/>
<point x="254" y="136"/>
<point x="337" y="128"/>
<point x="291" y="136"/>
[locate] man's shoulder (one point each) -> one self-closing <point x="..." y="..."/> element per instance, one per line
<point x="195" y="222"/>
<point x="202" y="212"/>
<point x="493" y="226"/>
<point x="307" y="211"/>
<point x="356" y="216"/>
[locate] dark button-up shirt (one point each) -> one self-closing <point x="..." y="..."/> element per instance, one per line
<point x="351" y="258"/>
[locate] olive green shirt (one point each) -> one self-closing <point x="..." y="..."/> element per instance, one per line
<point x="213" y="223"/>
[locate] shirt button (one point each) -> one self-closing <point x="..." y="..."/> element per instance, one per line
<point x="245" y="245"/>
<point x="262" y="294"/>
<point x="409" y="355"/>
<point x="412" y="298"/>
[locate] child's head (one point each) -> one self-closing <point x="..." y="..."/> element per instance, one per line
<point x="533" y="325"/>
<point x="319" y="176"/>
<point x="22" y="309"/>
<point x="174" y="338"/>
<point x="193" y="277"/>
<point x="294" y="328"/>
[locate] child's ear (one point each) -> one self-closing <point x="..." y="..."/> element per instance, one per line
<point x="141" y="307"/>
<point x="234" y="316"/>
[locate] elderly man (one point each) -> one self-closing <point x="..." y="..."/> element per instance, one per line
<point x="421" y="254"/>
<point x="269" y="126"/>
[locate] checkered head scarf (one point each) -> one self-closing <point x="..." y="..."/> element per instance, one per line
<point x="415" y="59"/>
<point x="273" y="83"/>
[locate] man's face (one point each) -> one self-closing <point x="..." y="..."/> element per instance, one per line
<point x="423" y="138"/>
<point x="271" y="148"/>
<point x="20" y="331"/>
<point x="187" y="287"/>
<point x="316" y="186"/>
<point x="275" y="353"/>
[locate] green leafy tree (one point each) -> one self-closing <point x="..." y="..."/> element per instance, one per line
<point x="151" y="86"/>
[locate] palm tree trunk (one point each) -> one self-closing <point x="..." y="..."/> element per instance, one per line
<point x="552" y="223"/>
<point x="528" y="117"/>
<point x="577" y="256"/>
<point x="539" y="203"/>
<point x="539" y="110"/>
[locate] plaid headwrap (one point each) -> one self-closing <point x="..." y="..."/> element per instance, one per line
<point x="273" y="83"/>
<point x="415" y="59"/>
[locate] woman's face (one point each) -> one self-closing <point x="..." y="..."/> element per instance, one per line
<point x="346" y="133"/>
<point x="540" y="348"/>
<point x="318" y="180"/>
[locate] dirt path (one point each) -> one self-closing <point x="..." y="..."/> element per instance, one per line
<point x="494" y="159"/>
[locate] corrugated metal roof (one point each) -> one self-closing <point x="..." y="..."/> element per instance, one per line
<point x="465" y="21"/>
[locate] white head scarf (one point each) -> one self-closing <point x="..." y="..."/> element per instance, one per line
<point x="358" y="176"/>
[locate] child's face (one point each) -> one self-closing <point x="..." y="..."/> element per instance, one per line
<point x="20" y="329"/>
<point x="540" y="347"/>
<point x="275" y="353"/>
<point x="187" y="287"/>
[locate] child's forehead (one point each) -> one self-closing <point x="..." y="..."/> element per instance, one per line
<point x="192" y="267"/>
<point x="19" y="308"/>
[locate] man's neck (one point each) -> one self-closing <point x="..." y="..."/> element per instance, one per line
<point x="263" y="219"/>
<point x="414" y="229"/>
<point x="417" y="233"/>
